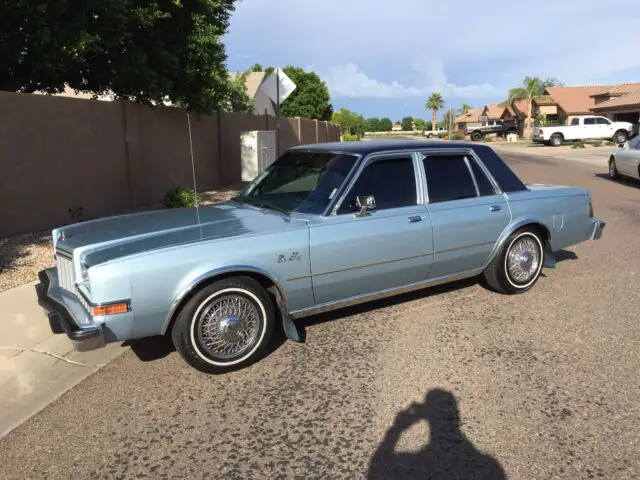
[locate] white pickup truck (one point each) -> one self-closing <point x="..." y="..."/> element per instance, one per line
<point x="585" y="127"/>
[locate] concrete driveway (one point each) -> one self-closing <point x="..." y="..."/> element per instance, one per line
<point x="448" y="383"/>
<point x="36" y="367"/>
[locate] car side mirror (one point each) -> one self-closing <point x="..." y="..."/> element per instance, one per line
<point x="364" y="204"/>
<point x="621" y="145"/>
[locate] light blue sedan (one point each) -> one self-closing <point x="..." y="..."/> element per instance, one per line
<point x="325" y="226"/>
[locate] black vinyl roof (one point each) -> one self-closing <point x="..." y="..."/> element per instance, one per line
<point x="506" y="178"/>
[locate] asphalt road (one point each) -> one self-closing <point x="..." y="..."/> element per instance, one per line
<point x="453" y="380"/>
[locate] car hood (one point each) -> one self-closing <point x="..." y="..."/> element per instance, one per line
<point x="100" y="240"/>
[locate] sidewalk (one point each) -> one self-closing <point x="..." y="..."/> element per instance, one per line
<point x="592" y="155"/>
<point x="37" y="367"/>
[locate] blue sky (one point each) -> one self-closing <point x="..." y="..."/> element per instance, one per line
<point x="381" y="60"/>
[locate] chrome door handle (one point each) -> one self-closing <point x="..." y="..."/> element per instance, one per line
<point x="494" y="208"/>
<point x="415" y="218"/>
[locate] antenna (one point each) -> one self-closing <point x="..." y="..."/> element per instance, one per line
<point x="193" y="169"/>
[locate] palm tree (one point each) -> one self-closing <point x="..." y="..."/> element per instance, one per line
<point x="465" y="108"/>
<point x="434" y="103"/>
<point x="531" y="87"/>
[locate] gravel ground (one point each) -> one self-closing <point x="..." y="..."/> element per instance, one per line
<point x="452" y="382"/>
<point x="23" y="256"/>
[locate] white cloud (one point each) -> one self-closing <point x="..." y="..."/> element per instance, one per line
<point x="348" y="81"/>
<point x="368" y="49"/>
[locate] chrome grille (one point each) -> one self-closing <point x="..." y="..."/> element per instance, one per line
<point x="66" y="279"/>
<point x="65" y="273"/>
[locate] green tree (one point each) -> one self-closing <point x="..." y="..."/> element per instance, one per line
<point x="386" y="124"/>
<point x="310" y="99"/>
<point x="142" y="51"/>
<point x="373" y="125"/>
<point x="419" y="124"/>
<point x="350" y="122"/>
<point x="258" y="68"/>
<point x="238" y="100"/>
<point x="407" y="123"/>
<point x="434" y="103"/>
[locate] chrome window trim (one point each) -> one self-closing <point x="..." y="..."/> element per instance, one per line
<point x="473" y="177"/>
<point x="370" y="158"/>
<point x="496" y="187"/>
<point x="465" y="152"/>
<point x="352" y="173"/>
<point x="424" y="196"/>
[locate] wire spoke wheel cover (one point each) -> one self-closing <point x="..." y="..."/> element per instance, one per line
<point x="227" y="325"/>
<point x="523" y="260"/>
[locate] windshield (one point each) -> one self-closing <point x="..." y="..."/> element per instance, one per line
<point x="302" y="182"/>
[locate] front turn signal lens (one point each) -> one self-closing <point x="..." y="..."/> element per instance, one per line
<point x="113" y="309"/>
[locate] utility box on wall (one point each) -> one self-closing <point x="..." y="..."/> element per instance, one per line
<point x="257" y="152"/>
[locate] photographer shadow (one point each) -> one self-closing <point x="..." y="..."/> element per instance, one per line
<point x="448" y="454"/>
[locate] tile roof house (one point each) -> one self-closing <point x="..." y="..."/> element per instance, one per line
<point x="573" y="101"/>
<point x="471" y="118"/>
<point x="494" y="111"/>
<point x="619" y="103"/>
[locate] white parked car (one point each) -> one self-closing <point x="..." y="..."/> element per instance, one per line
<point x="585" y="127"/>
<point x="626" y="160"/>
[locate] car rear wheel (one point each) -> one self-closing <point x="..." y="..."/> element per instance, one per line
<point x="225" y="326"/>
<point x="476" y="136"/>
<point x="613" y="171"/>
<point x="517" y="267"/>
<point x="556" y="140"/>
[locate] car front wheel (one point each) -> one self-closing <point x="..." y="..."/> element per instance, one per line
<point x="517" y="267"/>
<point x="225" y="326"/>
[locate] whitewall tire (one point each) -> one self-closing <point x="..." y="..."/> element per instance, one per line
<point x="224" y="326"/>
<point x="517" y="267"/>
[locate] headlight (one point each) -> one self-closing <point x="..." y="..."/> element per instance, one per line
<point x="84" y="271"/>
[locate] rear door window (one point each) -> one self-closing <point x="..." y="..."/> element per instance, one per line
<point x="448" y="178"/>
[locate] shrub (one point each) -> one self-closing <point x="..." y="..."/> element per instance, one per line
<point x="443" y="135"/>
<point x="597" y="144"/>
<point x="578" y="145"/>
<point x="456" y="136"/>
<point x="180" y="197"/>
<point x="350" y="138"/>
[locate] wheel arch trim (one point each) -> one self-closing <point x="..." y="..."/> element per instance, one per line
<point x="193" y="284"/>
<point x="515" y="225"/>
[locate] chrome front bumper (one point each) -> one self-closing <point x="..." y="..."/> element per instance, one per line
<point x="598" y="228"/>
<point x="65" y="316"/>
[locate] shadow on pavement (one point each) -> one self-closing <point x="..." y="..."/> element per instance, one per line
<point x="446" y="454"/>
<point x="626" y="181"/>
<point x="562" y="255"/>
<point x="150" y="349"/>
